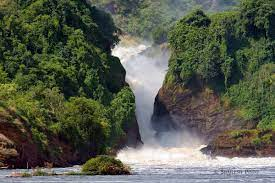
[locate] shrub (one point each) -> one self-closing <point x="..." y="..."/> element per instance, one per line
<point x="121" y="113"/>
<point x="86" y="125"/>
<point x="242" y="133"/>
<point x="105" y="165"/>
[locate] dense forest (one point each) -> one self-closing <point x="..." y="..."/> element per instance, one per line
<point x="152" y="19"/>
<point x="232" y="53"/>
<point x="57" y="73"/>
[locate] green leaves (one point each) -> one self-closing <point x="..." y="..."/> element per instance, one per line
<point x="197" y="18"/>
<point x="257" y="18"/>
<point x="122" y="113"/>
<point x="255" y="96"/>
<point x="56" y="72"/>
<point x="231" y="52"/>
<point x="85" y="123"/>
<point x="105" y="165"/>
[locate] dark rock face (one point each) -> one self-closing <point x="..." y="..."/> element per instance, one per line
<point x="200" y="111"/>
<point x="250" y="143"/>
<point x="197" y="110"/>
<point x="133" y="138"/>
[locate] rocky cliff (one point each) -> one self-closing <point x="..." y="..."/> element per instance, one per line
<point x="18" y="148"/>
<point x="196" y="109"/>
<point x="213" y="88"/>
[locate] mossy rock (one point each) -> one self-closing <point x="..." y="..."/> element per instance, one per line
<point x="105" y="165"/>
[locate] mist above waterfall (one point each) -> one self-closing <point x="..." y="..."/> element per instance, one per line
<point x="145" y="74"/>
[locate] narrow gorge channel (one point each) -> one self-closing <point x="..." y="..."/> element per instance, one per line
<point x="173" y="153"/>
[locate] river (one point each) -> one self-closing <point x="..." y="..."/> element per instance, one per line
<point x="175" y="157"/>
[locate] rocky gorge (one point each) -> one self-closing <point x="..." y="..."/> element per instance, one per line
<point x="221" y="82"/>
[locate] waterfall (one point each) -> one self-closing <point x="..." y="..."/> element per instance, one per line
<point x="145" y="74"/>
<point x="146" y="67"/>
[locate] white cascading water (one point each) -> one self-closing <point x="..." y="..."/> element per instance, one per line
<point x="143" y="84"/>
<point x="145" y="74"/>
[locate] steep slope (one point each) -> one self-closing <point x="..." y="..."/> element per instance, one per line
<point x="19" y="150"/>
<point x="58" y="75"/>
<point x="196" y="111"/>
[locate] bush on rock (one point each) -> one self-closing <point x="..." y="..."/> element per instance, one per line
<point x="105" y="165"/>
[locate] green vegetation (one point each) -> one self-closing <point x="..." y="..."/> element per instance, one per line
<point x="105" y="165"/>
<point x="153" y="18"/>
<point x="40" y="172"/>
<point x="233" y="53"/>
<point x="57" y="73"/>
<point x="26" y="174"/>
<point x="242" y="133"/>
<point x="257" y="138"/>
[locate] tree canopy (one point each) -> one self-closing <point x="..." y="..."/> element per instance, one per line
<point x="231" y="52"/>
<point x="57" y="72"/>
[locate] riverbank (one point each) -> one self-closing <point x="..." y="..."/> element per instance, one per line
<point x="177" y="171"/>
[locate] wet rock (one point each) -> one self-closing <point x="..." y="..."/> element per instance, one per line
<point x="195" y="109"/>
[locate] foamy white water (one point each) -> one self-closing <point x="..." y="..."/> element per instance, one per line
<point x="187" y="158"/>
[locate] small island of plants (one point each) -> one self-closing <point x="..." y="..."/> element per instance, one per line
<point x="105" y="165"/>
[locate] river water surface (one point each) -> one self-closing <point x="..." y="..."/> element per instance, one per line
<point x="174" y="157"/>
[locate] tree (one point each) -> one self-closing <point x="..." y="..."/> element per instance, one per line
<point x="85" y="123"/>
<point x="257" y="18"/>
